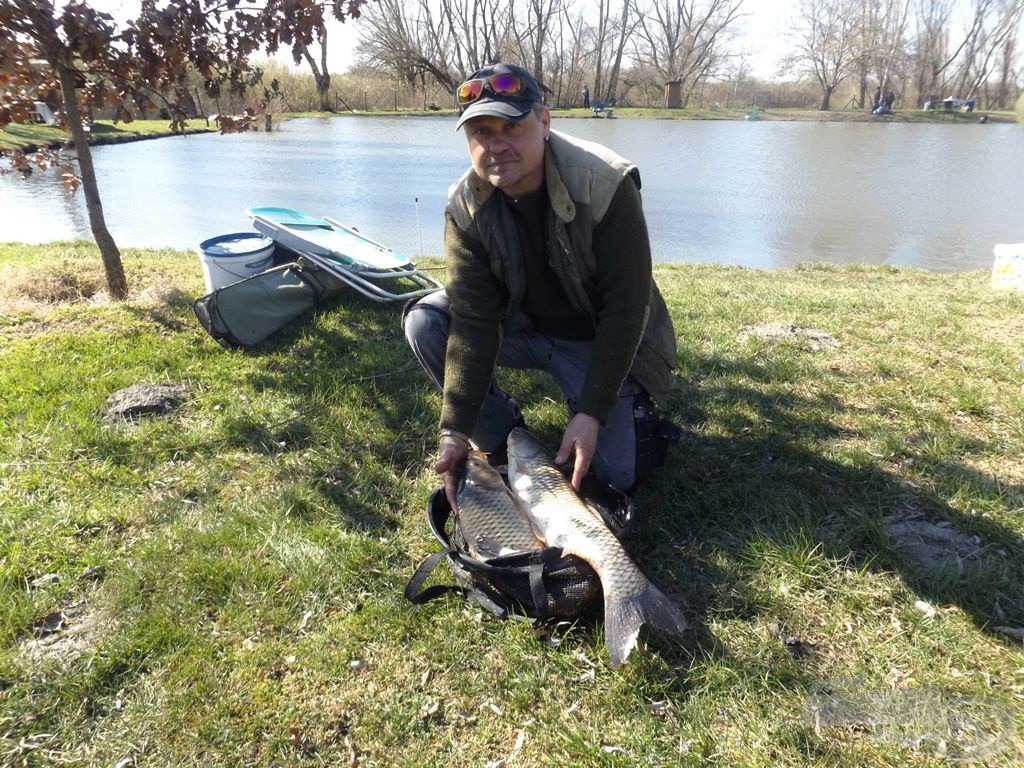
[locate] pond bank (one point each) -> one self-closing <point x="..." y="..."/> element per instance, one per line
<point x="28" y="138"/>
<point x="723" y="113"/>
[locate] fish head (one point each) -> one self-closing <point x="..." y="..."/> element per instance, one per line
<point x="479" y="473"/>
<point x="524" y="446"/>
<point x="525" y="452"/>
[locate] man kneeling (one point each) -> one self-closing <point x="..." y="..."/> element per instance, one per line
<point x="549" y="268"/>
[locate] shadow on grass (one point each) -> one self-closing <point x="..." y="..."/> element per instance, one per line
<point x="765" y="478"/>
<point x="364" y="411"/>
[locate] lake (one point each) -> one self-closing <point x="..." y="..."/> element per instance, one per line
<point x="763" y="194"/>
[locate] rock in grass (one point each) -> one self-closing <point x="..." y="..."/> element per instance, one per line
<point x="932" y="545"/>
<point x="808" y="338"/>
<point x="145" y="400"/>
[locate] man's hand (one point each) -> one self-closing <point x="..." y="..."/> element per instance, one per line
<point x="580" y="437"/>
<point x="451" y="456"/>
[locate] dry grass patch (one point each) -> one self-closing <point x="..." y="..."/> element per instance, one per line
<point x="65" y="282"/>
<point x="36" y="298"/>
<point x="65" y="634"/>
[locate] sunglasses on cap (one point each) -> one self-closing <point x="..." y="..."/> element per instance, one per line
<point x="503" y="84"/>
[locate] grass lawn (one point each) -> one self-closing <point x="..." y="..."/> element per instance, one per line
<point x="31" y="136"/>
<point x="223" y="586"/>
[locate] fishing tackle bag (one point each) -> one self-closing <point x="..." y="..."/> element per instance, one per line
<point x="537" y="585"/>
<point x="245" y="313"/>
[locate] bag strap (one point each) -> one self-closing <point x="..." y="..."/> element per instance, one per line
<point x="416" y="594"/>
<point x="308" y="274"/>
<point x="414" y="591"/>
<point x="538" y="591"/>
<point x="218" y="328"/>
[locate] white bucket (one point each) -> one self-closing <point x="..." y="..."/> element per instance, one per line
<point x="227" y="259"/>
<point x="1008" y="268"/>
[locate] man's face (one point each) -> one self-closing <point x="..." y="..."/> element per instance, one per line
<point x="510" y="155"/>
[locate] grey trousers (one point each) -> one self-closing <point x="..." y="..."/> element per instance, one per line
<point x="426" y="324"/>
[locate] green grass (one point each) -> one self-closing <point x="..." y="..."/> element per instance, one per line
<point x="31" y="136"/>
<point x="232" y="574"/>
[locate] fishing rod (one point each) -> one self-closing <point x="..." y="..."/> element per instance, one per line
<point x="419" y="231"/>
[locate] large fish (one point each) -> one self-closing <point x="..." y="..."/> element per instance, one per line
<point x="563" y="520"/>
<point x="491" y="521"/>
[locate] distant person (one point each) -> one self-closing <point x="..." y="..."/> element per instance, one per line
<point x="878" y="98"/>
<point x="969" y="105"/>
<point x="890" y="97"/>
<point x="549" y="268"/>
<point x="586" y="97"/>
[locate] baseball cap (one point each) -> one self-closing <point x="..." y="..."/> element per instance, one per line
<point x="498" y="90"/>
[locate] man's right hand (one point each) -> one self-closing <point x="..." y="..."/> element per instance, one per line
<point x="451" y="456"/>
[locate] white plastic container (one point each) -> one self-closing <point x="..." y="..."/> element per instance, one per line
<point x="227" y="259"/>
<point x="1008" y="268"/>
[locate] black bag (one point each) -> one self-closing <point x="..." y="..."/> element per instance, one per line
<point x="530" y="585"/>
<point x="245" y="313"/>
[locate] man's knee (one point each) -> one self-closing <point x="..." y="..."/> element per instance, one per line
<point x="426" y="321"/>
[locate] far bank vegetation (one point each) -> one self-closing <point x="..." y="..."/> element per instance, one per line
<point x="843" y="54"/>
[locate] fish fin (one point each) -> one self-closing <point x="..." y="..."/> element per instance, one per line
<point x="624" y="617"/>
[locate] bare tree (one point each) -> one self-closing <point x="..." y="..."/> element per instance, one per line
<point x="825" y="44"/>
<point x="625" y="28"/>
<point x="602" y="33"/>
<point x="682" y="39"/>
<point x="532" y="32"/>
<point x="409" y="43"/>
<point x="931" y="46"/>
<point x="1002" y="98"/>
<point x="567" y="61"/>
<point x="480" y="31"/>
<point x="994" y="25"/>
<point x="321" y="75"/>
<point x="888" y="54"/>
<point x="880" y="44"/>
<point x="441" y="39"/>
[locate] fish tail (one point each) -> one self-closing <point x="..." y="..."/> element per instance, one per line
<point x="624" y="617"/>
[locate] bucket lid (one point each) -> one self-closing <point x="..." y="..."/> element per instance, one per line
<point x="237" y="244"/>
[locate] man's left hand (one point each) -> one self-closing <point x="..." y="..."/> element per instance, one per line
<point x="580" y="438"/>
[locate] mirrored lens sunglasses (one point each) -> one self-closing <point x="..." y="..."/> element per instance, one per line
<point x="499" y="85"/>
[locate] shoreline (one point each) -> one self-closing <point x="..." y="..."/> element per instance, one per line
<point x="437" y="262"/>
<point x="29" y="138"/>
<point x="767" y="115"/>
<point x="120" y="133"/>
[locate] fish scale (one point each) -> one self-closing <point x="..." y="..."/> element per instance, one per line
<point x="561" y="518"/>
<point x="488" y="516"/>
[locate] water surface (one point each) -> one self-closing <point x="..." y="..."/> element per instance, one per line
<point x="767" y="194"/>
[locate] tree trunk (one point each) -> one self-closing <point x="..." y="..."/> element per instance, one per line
<point x="323" y="90"/>
<point x="321" y="74"/>
<point x="826" y="97"/>
<point x="116" y="282"/>
<point x="1003" y="93"/>
<point x="613" y="80"/>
